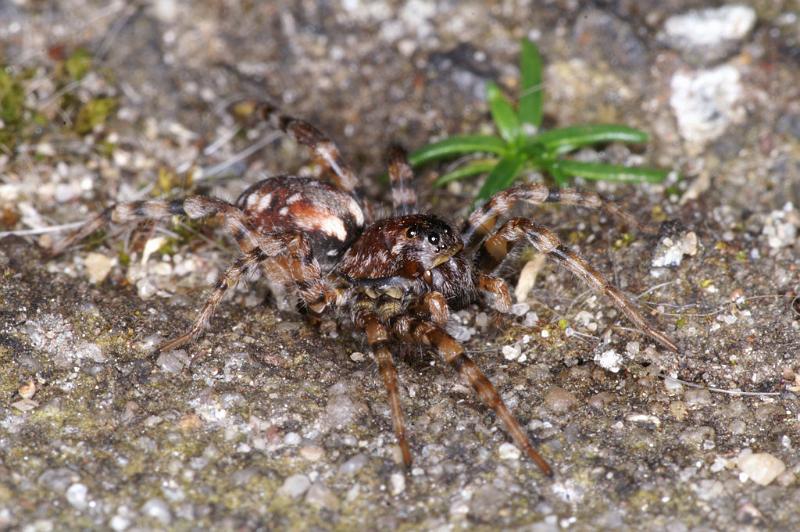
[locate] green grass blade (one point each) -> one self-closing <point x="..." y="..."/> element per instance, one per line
<point x="502" y="175"/>
<point x="531" y="88"/>
<point x="611" y="172"/>
<point x="457" y="145"/>
<point x="472" y="168"/>
<point x="502" y="113"/>
<point x="567" y="139"/>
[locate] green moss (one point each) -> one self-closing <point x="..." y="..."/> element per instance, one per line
<point x="94" y="113"/>
<point x="12" y="108"/>
<point x="78" y="64"/>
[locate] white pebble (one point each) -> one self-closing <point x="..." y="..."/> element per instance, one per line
<point x="520" y="309"/>
<point x="292" y="439"/>
<point x="670" y="251"/>
<point x="77" y="496"/>
<point x="295" y="486"/>
<point x="509" y="451"/>
<point x="609" y="360"/>
<point x="398" y="481"/>
<point x="706" y="102"/>
<point x="357" y="356"/>
<point x="98" y="267"/>
<point x="761" y="468"/>
<point x="511" y="352"/>
<point x="158" y="510"/>
<point x="531" y="319"/>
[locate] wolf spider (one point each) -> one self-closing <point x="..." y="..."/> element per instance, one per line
<point x="392" y="279"/>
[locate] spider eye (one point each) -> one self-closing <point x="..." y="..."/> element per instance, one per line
<point x="433" y="238"/>
<point x="412" y="232"/>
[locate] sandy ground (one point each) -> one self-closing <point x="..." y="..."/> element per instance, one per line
<point x="278" y="426"/>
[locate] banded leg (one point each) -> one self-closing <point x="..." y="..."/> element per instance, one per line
<point x="483" y="220"/>
<point x="430" y="334"/>
<point x="244" y="266"/>
<point x="495" y="292"/>
<point x="194" y="207"/>
<point x="497" y="246"/>
<point x="378" y="339"/>
<point x="401" y="176"/>
<point x="325" y="152"/>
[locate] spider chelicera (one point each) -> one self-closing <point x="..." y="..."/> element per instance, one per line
<point x="394" y="279"/>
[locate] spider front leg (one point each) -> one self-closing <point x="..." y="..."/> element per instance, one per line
<point x="483" y="220"/>
<point x="378" y="340"/>
<point x="325" y="151"/>
<point x="429" y="334"/>
<point x="495" y="249"/>
<point x="495" y="292"/>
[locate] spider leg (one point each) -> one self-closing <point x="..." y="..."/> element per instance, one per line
<point x="378" y="340"/>
<point x="244" y="266"/>
<point x="193" y="206"/>
<point x="495" y="249"/>
<point x="429" y="334"/>
<point x="325" y="151"/>
<point x="483" y="220"/>
<point x="401" y="176"/>
<point x="434" y="306"/>
<point x="495" y="292"/>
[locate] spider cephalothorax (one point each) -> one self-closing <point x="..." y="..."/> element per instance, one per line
<point x="390" y="279"/>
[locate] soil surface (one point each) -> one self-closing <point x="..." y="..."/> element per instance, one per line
<point x="267" y="421"/>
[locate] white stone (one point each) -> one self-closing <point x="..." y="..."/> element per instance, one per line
<point x="294" y="486"/>
<point x="670" y="251"/>
<point x="510" y="352"/>
<point x="761" y="468"/>
<point x="398" y="482"/>
<point x="710" y="27"/>
<point x="609" y="360"/>
<point x="706" y="102"/>
<point x="98" y="266"/>
<point x="77" y="496"/>
<point x="509" y="451"/>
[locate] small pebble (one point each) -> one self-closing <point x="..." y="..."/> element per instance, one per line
<point x="291" y="439"/>
<point x="77" y="496"/>
<point x="671" y="250"/>
<point x="158" y="510"/>
<point x="352" y="466"/>
<point x="600" y="400"/>
<point x="560" y="400"/>
<point x="761" y="468"/>
<point x="610" y="360"/>
<point x="294" y="486"/>
<point x="98" y="267"/>
<point x="321" y="497"/>
<point x="398" y="482"/>
<point x="312" y="453"/>
<point x="25" y="405"/>
<point x="119" y="523"/>
<point x="520" y="309"/>
<point x="510" y="352"/>
<point x="509" y="451"/>
<point x="678" y="410"/>
<point x="27" y="390"/>
<point x="357" y="356"/>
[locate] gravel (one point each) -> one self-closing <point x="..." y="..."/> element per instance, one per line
<point x="211" y="446"/>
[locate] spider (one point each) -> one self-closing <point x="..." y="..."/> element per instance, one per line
<point x="394" y="279"/>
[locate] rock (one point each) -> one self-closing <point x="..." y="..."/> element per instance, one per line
<point x="780" y="226"/>
<point x="398" y="483"/>
<point x="352" y="466"/>
<point x="98" y="267"/>
<point x="294" y="486"/>
<point x="158" y="510"/>
<point x="706" y="103"/>
<point x="509" y="451"/>
<point x="671" y="250"/>
<point x="321" y="497"/>
<point x="77" y="496"/>
<point x="609" y="360"/>
<point x="707" y="35"/>
<point x="560" y="400"/>
<point x="510" y="352"/>
<point x="761" y="468"/>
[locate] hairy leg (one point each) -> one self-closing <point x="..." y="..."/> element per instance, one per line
<point x="429" y="334"/>
<point x="401" y="176"/>
<point x="495" y="249"/>
<point x="495" y="292"/>
<point x="244" y="266"/>
<point x="483" y="220"/>
<point x="378" y="340"/>
<point x="326" y="154"/>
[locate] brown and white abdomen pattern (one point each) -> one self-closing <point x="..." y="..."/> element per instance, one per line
<point x="329" y="218"/>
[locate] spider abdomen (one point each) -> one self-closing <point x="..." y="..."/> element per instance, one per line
<point x="329" y="217"/>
